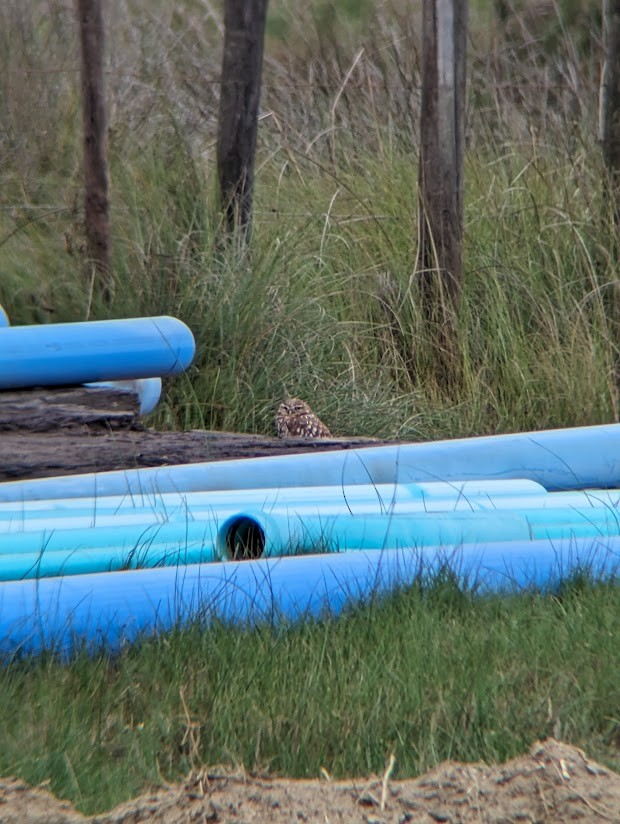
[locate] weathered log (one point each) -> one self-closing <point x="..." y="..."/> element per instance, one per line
<point x="62" y="452"/>
<point x="68" y="430"/>
<point x="45" y="410"/>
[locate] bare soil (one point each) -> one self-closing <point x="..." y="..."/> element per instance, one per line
<point x="554" y="784"/>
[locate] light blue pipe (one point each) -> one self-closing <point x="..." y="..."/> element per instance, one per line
<point x="277" y="533"/>
<point x="108" y="611"/>
<point x="414" y="522"/>
<point x="362" y="499"/>
<point x="256" y="534"/>
<point x="73" y="353"/>
<point x="558" y="459"/>
<point x="22" y="566"/>
<point x="4" y="318"/>
<point x="136" y="537"/>
<point x="148" y="390"/>
<point x="404" y="499"/>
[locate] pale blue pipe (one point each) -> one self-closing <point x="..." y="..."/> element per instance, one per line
<point x="22" y="566"/>
<point x="148" y="390"/>
<point x="558" y="459"/>
<point x="404" y="499"/>
<point x="281" y="534"/>
<point x="136" y="537"/>
<point x="255" y="534"/>
<point x="592" y="507"/>
<point x="73" y="353"/>
<point x="95" y="612"/>
<point x="362" y="499"/>
<point x="30" y="534"/>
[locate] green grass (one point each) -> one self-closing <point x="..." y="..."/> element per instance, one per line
<point x="324" y="305"/>
<point x="431" y="673"/>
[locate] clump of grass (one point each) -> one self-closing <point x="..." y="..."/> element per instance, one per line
<point x="433" y="672"/>
<point x="324" y="304"/>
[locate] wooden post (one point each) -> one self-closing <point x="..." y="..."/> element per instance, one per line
<point x="610" y="104"/>
<point x="242" y="62"/>
<point x="440" y="177"/>
<point x="96" y="204"/>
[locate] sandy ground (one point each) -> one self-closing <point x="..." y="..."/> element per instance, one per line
<point x="555" y="783"/>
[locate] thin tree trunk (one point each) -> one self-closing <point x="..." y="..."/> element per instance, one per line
<point x="96" y="203"/>
<point x="440" y="176"/>
<point x="244" y="35"/>
<point x="610" y="104"/>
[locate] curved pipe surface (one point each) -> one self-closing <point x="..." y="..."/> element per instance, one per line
<point x="135" y="537"/>
<point x="86" y="513"/>
<point x="107" y="611"/>
<point x="148" y="390"/>
<point x="73" y="353"/>
<point x="254" y="534"/>
<point x="362" y="499"/>
<point x="578" y="458"/>
<point x="39" y="565"/>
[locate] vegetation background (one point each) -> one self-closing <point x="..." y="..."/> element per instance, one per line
<point x="323" y="306"/>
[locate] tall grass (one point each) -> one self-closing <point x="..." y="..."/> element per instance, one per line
<point x="324" y="303"/>
<point x="431" y="673"/>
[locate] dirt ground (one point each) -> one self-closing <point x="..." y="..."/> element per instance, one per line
<point x="555" y="783"/>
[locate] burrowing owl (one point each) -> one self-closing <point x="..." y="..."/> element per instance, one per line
<point x="295" y="419"/>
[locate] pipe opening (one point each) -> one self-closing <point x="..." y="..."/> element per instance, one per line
<point x="244" y="539"/>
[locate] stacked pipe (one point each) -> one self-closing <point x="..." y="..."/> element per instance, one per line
<point x="85" y="535"/>
<point x="103" y="558"/>
<point x="129" y="355"/>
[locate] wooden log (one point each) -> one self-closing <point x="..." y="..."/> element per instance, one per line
<point x="25" y="455"/>
<point x="45" y="410"/>
<point x="68" y="430"/>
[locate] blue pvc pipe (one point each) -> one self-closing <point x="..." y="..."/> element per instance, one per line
<point x="558" y="459"/>
<point x="136" y="536"/>
<point x="46" y="564"/>
<point x="386" y="500"/>
<point x="73" y="353"/>
<point x="70" y="551"/>
<point x="282" y="534"/>
<point x="361" y="499"/>
<point x="107" y="611"/>
<point x="148" y="390"/>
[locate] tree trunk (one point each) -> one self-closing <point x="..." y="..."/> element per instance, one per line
<point x="610" y="104"/>
<point x="440" y="176"/>
<point x="96" y="204"/>
<point x="244" y="34"/>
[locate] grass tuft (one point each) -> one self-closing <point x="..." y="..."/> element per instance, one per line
<point x="433" y="672"/>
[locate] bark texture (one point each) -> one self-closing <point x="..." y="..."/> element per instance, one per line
<point x="242" y="62"/>
<point x="94" y="124"/>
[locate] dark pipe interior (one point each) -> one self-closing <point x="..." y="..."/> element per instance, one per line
<point x="245" y="540"/>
